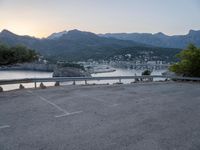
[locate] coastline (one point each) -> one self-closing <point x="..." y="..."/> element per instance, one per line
<point x="30" y="67"/>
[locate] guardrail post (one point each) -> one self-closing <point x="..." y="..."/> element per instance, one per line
<point x="85" y="82"/>
<point x="1" y="89"/>
<point x="150" y="79"/>
<point x="35" y="84"/>
<point x="57" y="83"/>
<point x="120" y="80"/>
<point x="74" y="82"/>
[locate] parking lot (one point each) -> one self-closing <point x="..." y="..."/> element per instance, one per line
<point x="140" y="116"/>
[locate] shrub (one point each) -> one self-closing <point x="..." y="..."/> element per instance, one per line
<point x="189" y="64"/>
<point x="16" y="54"/>
<point x="146" y="72"/>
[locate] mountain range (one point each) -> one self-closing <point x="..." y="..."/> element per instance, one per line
<point x="71" y="45"/>
<point x="159" y="39"/>
<point x="79" y="45"/>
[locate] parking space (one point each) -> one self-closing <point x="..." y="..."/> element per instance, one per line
<point x="138" y="116"/>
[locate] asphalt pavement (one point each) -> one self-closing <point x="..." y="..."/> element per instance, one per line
<point x="140" y="116"/>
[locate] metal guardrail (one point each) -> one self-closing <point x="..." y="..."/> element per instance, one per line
<point x="74" y="79"/>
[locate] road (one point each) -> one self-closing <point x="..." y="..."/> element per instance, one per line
<point x="141" y="116"/>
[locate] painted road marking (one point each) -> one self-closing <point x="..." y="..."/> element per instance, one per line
<point x="68" y="114"/>
<point x="53" y="104"/>
<point x="65" y="113"/>
<point x="5" y="126"/>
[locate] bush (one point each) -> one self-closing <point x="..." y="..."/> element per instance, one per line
<point x="16" y="54"/>
<point x="146" y="72"/>
<point x="189" y="64"/>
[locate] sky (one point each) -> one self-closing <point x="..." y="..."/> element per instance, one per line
<point x="40" y="18"/>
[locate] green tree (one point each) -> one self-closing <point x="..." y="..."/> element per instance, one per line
<point x="16" y="54"/>
<point x="189" y="64"/>
<point x="146" y="73"/>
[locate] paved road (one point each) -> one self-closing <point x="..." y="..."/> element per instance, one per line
<point x="148" y="116"/>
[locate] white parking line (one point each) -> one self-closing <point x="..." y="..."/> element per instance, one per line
<point x="56" y="106"/>
<point x="65" y="113"/>
<point x="5" y="126"/>
<point x="68" y="114"/>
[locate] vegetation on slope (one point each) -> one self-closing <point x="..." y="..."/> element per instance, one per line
<point x="81" y="46"/>
<point x="146" y="73"/>
<point x="16" y="54"/>
<point x="189" y="64"/>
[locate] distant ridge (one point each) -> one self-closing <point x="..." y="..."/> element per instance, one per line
<point x="71" y="45"/>
<point x="76" y="45"/>
<point x="57" y="35"/>
<point x="159" y="39"/>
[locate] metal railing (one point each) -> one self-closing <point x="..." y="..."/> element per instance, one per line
<point x="74" y="79"/>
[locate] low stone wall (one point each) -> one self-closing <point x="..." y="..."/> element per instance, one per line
<point x="70" y="72"/>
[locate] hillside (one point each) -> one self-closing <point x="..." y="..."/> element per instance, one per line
<point x="159" y="39"/>
<point x="16" y="54"/>
<point x="77" y="45"/>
